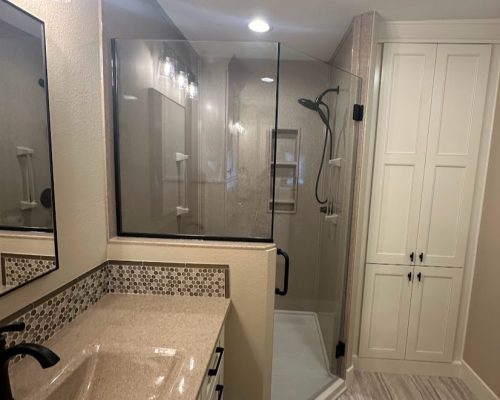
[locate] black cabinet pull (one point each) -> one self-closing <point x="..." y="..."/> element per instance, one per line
<point x="412" y="256"/>
<point x="421" y="256"/>
<point x="220" y="389"/>
<point x="287" y="272"/>
<point x="214" y="371"/>
<point x="409" y="276"/>
<point x="419" y="276"/>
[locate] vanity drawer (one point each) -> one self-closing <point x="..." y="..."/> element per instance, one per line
<point x="214" y="380"/>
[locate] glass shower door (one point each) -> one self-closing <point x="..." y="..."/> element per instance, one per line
<point x="313" y="225"/>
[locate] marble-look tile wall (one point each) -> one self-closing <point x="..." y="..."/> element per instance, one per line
<point x="49" y="314"/>
<point x="355" y="54"/>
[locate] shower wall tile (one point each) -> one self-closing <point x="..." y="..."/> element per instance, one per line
<point x="21" y="268"/>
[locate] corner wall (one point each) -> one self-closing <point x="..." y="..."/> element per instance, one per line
<point x="482" y="344"/>
<point x="356" y="54"/>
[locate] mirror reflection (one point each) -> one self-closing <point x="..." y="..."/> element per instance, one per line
<point x="26" y="200"/>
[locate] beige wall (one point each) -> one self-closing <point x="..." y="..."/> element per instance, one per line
<point x="250" y="324"/>
<point x="482" y="345"/>
<point x="74" y="84"/>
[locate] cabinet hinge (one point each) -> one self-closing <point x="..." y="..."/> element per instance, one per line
<point x="358" y="112"/>
<point x="340" y="350"/>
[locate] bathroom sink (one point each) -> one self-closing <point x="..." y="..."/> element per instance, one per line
<point x="111" y="373"/>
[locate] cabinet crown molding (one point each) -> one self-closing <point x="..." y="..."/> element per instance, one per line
<point x="484" y="31"/>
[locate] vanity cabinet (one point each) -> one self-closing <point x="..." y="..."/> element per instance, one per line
<point x="431" y="109"/>
<point x="213" y="384"/>
<point x="410" y="312"/>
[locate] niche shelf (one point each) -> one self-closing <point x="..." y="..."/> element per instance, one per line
<point x="287" y="170"/>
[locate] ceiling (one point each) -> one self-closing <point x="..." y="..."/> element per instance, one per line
<point x="312" y="26"/>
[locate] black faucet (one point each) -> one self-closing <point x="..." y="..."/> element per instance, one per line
<point x="43" y="355"/>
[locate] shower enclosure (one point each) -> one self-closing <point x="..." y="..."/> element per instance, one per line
<point x="246" y="141"/>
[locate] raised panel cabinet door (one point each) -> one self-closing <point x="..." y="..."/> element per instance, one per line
<point x="404" y="111"/>
<point x="455" y="127"/>
<point x="386" y="306"/>
<point x="434" y="313"/>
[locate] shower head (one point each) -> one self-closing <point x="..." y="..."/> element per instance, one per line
<point x="315" y="106"/>
<point x="311" y="105"/>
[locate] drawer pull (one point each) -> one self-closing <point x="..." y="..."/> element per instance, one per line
<point x="214" y="371"/>
<point x="220" y="389"/>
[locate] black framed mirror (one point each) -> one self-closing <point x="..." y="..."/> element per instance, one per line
<point x="28" y="239"/>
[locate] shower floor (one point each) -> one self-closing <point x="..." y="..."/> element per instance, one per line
<point x="299" y="360"/>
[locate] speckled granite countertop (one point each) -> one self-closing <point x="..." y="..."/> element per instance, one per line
<point x="165" y="340"/>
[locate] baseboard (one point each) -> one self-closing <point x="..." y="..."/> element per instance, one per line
<point x="334" y="391"/>
<point x="476" y="385"/>
<point x="452" y="369"/>
<point x="349" y="376"/>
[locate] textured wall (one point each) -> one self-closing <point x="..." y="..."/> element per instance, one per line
<point x="74" y="83"/>
<point x="250" y="324"/>
<point x="482" y="345"/>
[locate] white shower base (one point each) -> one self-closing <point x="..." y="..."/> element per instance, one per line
<point x="300" y="369"/>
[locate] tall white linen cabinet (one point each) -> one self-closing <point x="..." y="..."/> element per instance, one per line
<point x="431" y="108"/>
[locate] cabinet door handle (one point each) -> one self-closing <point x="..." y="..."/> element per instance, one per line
<point x="409" y="276"/>
<point x="421" y="256"/>
<point x="220" y="389"/>
<point x="412" y="256"/>
<point x="214" y="371"/>
<point x="419" y="276"/>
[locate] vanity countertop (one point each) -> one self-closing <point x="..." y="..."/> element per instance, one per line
<point x="185" y="328"/>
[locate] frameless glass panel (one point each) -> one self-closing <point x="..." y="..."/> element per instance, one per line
<point x="315" y="98"/>
<point x="192" y="128"/>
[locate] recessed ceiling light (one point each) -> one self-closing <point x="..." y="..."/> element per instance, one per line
<point x="259" y="25"/>
<point x="267" y="79"/>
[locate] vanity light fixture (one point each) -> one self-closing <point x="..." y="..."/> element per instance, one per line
<point x="267" y="79"/>
<point x="259" y="25"/>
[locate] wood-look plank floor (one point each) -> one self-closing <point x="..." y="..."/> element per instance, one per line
<point x="378" y="386"/>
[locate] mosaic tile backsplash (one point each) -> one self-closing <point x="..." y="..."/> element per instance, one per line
<point x="168" y="279"/>
<point x="49" y="314"/>
<point x="21" y="268"/>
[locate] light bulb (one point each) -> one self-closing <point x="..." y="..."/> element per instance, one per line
<point x="167" y="68"/>
<point x="267" y="79"/>
<point x="192" y="90"/>
<point x="182" y="80"/>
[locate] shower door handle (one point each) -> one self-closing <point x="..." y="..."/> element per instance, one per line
<point x="287" y="272"/>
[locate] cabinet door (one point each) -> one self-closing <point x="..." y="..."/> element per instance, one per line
<point x="453" y="144"/>
<point x="433" y="313"/>
<point x="404" y="109"/>
<point x="386" y="305"/>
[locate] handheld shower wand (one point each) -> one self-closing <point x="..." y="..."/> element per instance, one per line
<point x="316" y="106"/>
